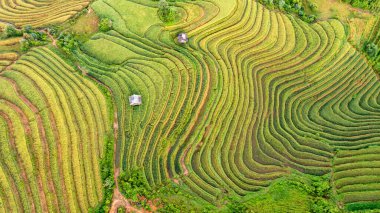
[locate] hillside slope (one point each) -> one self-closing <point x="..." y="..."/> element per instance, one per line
<point x="254" y="95"/>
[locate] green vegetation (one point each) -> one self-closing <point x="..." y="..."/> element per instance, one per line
<point x="105" y="24"/>
<point x="166" y="12"/>
<point x="68" y="42"/>
<point x="295" y="193"/>
<point x="293" y="7"/>
<point x="132" y="183"/>
<point x="170" y="197"/>
<point x="364" y="4"/>
<point x="371" y="49"/>
<point x="107" y="174"/>
<point x="259" y="112"/>
<point x="371" y="45"/>
<point x="33" y="38"/>
<point x="11" y="31"/>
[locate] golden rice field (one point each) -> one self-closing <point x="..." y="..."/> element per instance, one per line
<point x="52" y="127"/>
<point x="39" y="13"/>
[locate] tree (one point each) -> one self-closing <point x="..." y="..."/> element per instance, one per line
<point x="371" y="49"/>
<point x="166" y="12"/>
<point x="68" y="42"/>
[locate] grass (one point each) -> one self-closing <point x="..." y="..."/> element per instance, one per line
<point x="84" y="24"/>
<point x="127" y="11"/>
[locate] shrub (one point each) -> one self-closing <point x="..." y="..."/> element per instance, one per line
<point x="235" y="205"/>
<point x="105" y="25"/>
<point x="28" y="29"/>
<point x="11" y="31"/>
<point x="371" y="49"/>
<point x="166" y="12"/>
<point x="292" y="6"/>
<point x="68" y="42"/>
<point x="32" y="38"/>
<point x="133" y="183"/>
<point x="320" y="205"/>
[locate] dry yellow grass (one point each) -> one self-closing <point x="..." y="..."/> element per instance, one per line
<point x="10" y="41"/>
<point x="86" y="24"/>
<point x="8" y="56"/>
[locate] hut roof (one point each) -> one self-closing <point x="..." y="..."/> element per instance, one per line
<point x="135" y="100"/>
<point x="182" y="38"/>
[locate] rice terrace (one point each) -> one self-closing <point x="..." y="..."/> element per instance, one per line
<point x="190" y="106"/>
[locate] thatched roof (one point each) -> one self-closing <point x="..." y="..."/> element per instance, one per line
<point x="182" y="38"/>
<point x="135" y="100"/>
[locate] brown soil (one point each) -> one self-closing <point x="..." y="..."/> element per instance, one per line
<point x="53" y="40"/>
<point x="118" y="200"/>
<point x="183" y="165"/>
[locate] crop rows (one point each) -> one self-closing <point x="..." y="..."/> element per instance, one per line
<point x="52" y="128"/>
<point x="39" y="13"/>
<point x="356" y="176"/>
<point x="7" y="54"/>
<point x="254" y="95"/>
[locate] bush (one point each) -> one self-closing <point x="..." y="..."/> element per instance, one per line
<point x="235" y="205"/>
<point x="371" y="49"/>
<point x="323" y="206"/>
<point x="105" y="25"/>
<point x="292" y="6"/>
<point x="133" y="183"/>
<point x="165" y="12"/>
<point x="33" y="38"/>
<point x="68" y="42"/>
<point x="364" y="4"/>
<point x="11" y="31"/>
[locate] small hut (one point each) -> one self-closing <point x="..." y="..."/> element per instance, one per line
<point x="135" y="100"/>
<point x="182" y="38"/>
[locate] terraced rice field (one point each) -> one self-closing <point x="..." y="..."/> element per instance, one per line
<point x="53" y="123"/>
<point x="7" y="53"/>
<point x="39" y="13"/>
<point x="254" y="95"/>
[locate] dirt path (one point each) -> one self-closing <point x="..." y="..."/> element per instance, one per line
<point x="118" y="200"/>
<point x="183" y="165"/>
<point x="53" y="40"/>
